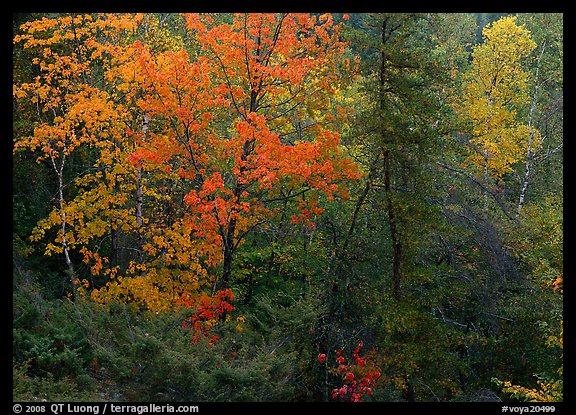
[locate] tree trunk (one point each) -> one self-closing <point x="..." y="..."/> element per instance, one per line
<point x="392" y="219"/>
<point x="139" y="197"/>
<point x="139" y="190"/>
<point x="340" y="254"/>
<point x="114" y="247"/>
<point x="60" y="173"/>
<point x="394" y="235"/>
<point x="409" y="391"/>
<point x="529" y="152"/>
<point x="524" y="187"/>
<point x="224" y="282"/>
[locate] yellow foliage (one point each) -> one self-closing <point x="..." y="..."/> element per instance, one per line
<point x="240" y="320"/>
<point x="547" y="391"/>
<point x="495" y="88"/>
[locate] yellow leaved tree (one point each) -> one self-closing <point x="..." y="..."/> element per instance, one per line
<point x="495" y="89"/>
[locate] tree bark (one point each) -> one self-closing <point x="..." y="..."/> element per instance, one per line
<point x="229" y="249"/>
<point x="339" y="255"/>
<point x="60" y="173"/>
<point x="392" y="218"/>
<point x="529" y="153"/>
<point x="114" y="233"/>
<point x="394" y="235"/>
<point x="139" y="190"/>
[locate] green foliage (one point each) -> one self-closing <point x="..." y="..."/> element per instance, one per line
<point x="55" y="347"/>
<point x="537" y="241"/>
<point x="70" y="349"/>
<point x="28" y="388"/>
<point x="477" y="314"/>
<point x="420" y="351"/>
<point x="49" y="351"/>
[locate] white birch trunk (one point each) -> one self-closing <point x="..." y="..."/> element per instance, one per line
<point x="60" y="173"/>
<point x="529" y="153"/>
<point x="139" y="190"/>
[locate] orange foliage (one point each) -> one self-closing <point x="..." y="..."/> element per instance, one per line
<point x="219" y="133"/>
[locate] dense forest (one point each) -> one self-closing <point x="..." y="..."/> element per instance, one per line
<point x="288" y="207"/>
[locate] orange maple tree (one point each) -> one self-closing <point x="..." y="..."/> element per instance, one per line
<point x="242" y="120"/>
<point x="198" y="140"/>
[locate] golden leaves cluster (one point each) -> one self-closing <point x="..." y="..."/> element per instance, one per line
<point x="495" y="91"/>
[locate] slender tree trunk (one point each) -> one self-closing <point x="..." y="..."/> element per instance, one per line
<point x="524" y="187"/>
<point x="358" y="206"/>
<point x="339" y="255"/>
<point x="64" y="241"/>
<point x="114" y="233"/>
<point x="229" y="238"/>
<point x="229" y="249"/>
<point x="139" y="197"/>
<point x="486" y="155"/>
<point x="392" y="218"/>
<point x="139" y="189"/>
<point x="60" y="173"/>
<point x="409" y="391"/>
<point x="394" y="235"/>
<point x="529" y="152"/>
<point x="486" y="177"/>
